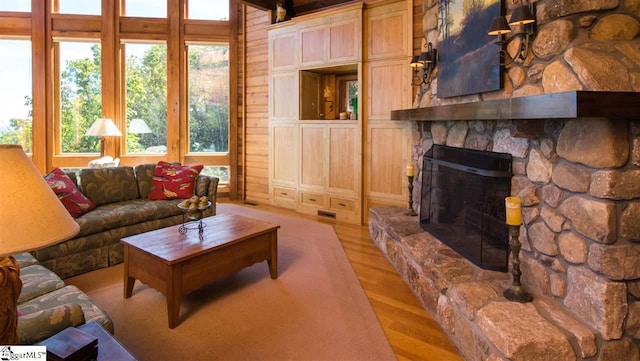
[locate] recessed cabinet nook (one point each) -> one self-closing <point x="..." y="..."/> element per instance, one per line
<point x="321" y="113"/>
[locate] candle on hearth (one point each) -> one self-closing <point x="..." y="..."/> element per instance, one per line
<point x="514" y="211"/>
<point x="411" y="171"/>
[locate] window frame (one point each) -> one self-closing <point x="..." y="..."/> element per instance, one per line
<point x="43" y="24"/>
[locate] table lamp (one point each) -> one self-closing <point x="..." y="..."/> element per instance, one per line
<point x="138" y="126"/>
<point x="31" y="217"/>
<point x="103" y="127"/>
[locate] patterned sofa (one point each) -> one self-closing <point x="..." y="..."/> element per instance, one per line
<point x="47" y="305"/>
<point x="123" y="209"/>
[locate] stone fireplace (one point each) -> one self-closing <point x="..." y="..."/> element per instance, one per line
<point x="576" y="167"/>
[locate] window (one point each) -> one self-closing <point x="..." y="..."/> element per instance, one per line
<point x="80" y="7"/>
<point x="80" y="95"/>
<point x="16" y="5"/>
<point x="208" y="79"/>
<point x="146" y="8"/>
<point x="56" y="80"/>
<point x="15" y="93"/>
<point x="208" y="10"/>
<point x="214" y="171"/>
<point x="146" y="97"/>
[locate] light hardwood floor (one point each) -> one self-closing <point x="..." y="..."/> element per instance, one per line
<point x="412" y="332"/>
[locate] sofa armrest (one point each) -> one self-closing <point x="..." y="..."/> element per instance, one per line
<point x="39" y="325"/>
<point x="208" y="186"/>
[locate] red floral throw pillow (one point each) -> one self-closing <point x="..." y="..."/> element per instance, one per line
<point x="73" y="200"/>
<point x="173" y="181"/>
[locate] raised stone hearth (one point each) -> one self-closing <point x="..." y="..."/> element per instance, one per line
<point x="468" y="303"/>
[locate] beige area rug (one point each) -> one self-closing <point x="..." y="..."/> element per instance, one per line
<point x="315" y="310"/>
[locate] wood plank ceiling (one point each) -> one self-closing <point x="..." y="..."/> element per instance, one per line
<point x="294" y="7"/>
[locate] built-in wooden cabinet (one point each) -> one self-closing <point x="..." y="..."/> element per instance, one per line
<point x="387" y="79"/>
<point x="341" y="166"/>
<point x="315" y="157"/>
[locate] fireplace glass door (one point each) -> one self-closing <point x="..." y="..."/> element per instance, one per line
<point x="462" y="204"/>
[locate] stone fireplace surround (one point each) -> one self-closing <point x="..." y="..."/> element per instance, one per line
<point x="578" y="172"/>
<point x="579" y="180"/>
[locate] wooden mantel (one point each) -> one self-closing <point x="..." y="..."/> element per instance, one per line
<point x="567" y="105"/>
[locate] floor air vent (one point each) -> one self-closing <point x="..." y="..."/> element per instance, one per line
<point x="327" y="214"/>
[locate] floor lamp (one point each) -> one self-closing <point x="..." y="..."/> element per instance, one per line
<point x="31" y="217"/>
<point x="103" y="127"/>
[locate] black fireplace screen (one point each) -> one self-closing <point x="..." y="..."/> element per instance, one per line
<point x="462" y="204"/>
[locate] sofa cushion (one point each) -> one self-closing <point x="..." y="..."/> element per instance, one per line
<point x="36" y="281"/>
<point x="25" y="259"/>
<point x="68" y="294"/>
<point x="39" y="325"/>
<point x="109" y="185"/>
<point x="115" y="215"/>
<point x="144" y="175"/>
<point x="65" y="188"/>
<point x="173" y="181"/>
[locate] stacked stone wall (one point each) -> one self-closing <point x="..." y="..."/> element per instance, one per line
<point x="578" y="45"/>
<point x="580" y="180"/>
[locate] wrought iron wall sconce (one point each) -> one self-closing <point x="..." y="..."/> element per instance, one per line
<point x="522" y="18"/>
<point x="426" y="62"/>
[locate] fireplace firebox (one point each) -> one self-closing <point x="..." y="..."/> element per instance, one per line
<point x="462" y="204"/>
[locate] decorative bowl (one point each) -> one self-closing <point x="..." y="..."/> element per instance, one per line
<point x="194" y="213"/>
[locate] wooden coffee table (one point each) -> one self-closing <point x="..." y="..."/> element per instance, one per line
<point x="176" y="264"/>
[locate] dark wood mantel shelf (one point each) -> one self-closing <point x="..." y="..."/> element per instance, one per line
<point x="567" y="105"/>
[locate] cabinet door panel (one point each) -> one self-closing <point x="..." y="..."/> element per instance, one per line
<point x="312" y="156"/>
<point x="312" y="46"/>
<point x="387" y="32"/>
<point x="310" y="106"/>
<point x="343" y="44"/>
<point x="388" y="87"/>
<point x="342" y="162"/>
<point x="387" y="165"/>
<point x="284" y="96"/>
<point x="284" y="139"/>
<point x="283" y="52"/>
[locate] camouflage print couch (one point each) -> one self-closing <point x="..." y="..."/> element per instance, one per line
<point x="47" y="305"/>
<point x="123" y="209"/>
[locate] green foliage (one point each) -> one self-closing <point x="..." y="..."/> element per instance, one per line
<point x="80" y="102"/>
<point x="146" y="98"/>
<point x="19" y="133"/>
<point x="20" y="130"/>
<point x="208" y="99"/>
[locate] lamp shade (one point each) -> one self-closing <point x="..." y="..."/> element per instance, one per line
<point x="521" y="16"/>
<point x="31" y="215"/>
<point x="499" y="26"/>
<point x="138" y="126"/>
<point x="425" y="58"/>
<point x="103" y="127"/>
<point x="415" y="63"/>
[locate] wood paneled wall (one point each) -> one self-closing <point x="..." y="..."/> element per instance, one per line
<point x="254" y="149"/>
